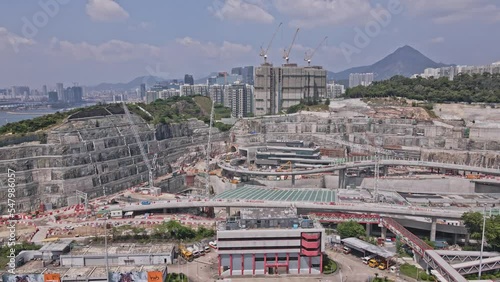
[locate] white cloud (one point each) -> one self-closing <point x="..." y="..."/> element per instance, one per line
<point x="240" y="10"/>
<point x="142" y="26"/>
<point x="314" y="13"/>
<point x="106" y="11"/>
<point x="10" y="40"/>
<point x="439" y="39"/>
<point x="111" y="51"/>
<point x="181" y="50"/>
<point x="452" y="11"/>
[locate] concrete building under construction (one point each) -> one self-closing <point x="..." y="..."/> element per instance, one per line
<point x="279" y="88"/>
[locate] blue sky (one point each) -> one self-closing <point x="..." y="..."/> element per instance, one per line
<point x="93" y="41"/>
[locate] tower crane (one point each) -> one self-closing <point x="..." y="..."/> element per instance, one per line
<point x="263" y="53"/>
<point x="286" y="53"/>
<point x="309" y="57"/>
<point x="141" y="145"/>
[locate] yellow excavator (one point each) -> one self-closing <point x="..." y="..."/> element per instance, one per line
<point x="285" y="167"/>
<point x="187" y="255"/>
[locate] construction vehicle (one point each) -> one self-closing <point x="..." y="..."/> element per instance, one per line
<point x="285" y="167"/>
<point x="308" y="57"/>
<point x="286" y="53"/>
<point x="236" y="180"/>
<point x="373" y="263"/>
<point x="185" y="253"/>
<point x="263" y="53"/>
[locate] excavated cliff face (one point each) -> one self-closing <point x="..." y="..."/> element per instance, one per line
<point x="99" y="155"/>
<point x="429" y="140"/>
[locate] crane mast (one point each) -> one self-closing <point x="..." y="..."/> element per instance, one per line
<point x="209" y="149"/>
<point x="263" y="53"/>
<point x="286" y="53"/>
<point x="141" y="145"/>
<point x="309" y="57"/>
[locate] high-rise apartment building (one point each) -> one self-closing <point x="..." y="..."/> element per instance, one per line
<point x="335" y="90"/>
<point x="246" y="74"/>
<point x="192" y="90"/>
<point x="363" y="79"/>
<point x="143" y="91"/>
<point x="20" y="90"/>
<point x="60" y="92"/>
<point x="452" y="71"/>
<point x="53" y="96"/>
<point x="188" y="79"/>
<point x="44" y="90"/>
<point x="223" y="78"/>
<point x="240" y="98"/>
<point x="278" y="88"/>
<point x="73" y="95"/>
<point x="270" y="241"/>
<point x="216" y="93"/>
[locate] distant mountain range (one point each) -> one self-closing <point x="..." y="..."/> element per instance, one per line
<point x="405" y="61"/>
<point x="134" y="84"/>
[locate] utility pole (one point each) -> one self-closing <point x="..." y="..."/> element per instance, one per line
<point x="377" y="174"/>
<point x="106" y="246"/>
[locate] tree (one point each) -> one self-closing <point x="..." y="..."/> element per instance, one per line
<point x="350" y="229"/>
<point x="327" y="102"/>
<point x="474" y="223"/>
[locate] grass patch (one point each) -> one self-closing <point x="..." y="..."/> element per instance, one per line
<point x="205" y="104"/>
<point x="412" y="271"/>
<point x="329" y="266"/>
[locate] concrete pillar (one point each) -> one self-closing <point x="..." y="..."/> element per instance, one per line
<point x="368" y="229"/>
<point x="433" y="229"/>
<point x="293" y="180"/>
<point x="455" y="239"/>
<point x="228" y="211"/>
<point x="342" y="179"/>
<point x="385" y="170"/>
<point x="383" y="232"/>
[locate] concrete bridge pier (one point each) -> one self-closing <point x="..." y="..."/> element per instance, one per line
<point x="383" y="232"/>
<point x="342" y="183"/>
<point x="433" y="229"/>
<point x="228" y="211"/>
<point x="385" y="170"/>
<point x="368" y="229"/>
<point x="293" y="180"/>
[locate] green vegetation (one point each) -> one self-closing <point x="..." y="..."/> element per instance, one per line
<point x="463" y="88"/>
<point x="205" y="104"/>
<point x="5" y="251"/>
<point x="474" y="223"/>
<point x="412" y="271"/>
<point x="177" y="109"/>
<point x="329" y="266"/>
<point x="350" y="229"/>
<point x="35" y="124"/>
<point x="493" y="275"/>
<point x="176" y="277"/>
<point x="304" y="107"/>
<point x="46" y="121"/>
<point x="172" y="230"/>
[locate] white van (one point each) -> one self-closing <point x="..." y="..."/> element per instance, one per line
<point x="368" y="258"/>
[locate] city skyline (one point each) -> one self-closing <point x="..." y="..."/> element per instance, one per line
<point x="113" y="41"/>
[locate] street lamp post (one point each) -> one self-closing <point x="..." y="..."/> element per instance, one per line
<point x="106" y="246"/>
<point x="482" y="244"/>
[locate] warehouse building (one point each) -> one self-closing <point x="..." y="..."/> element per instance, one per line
<point x="35" y="271"/>
<point x="122" y="254"/>
<point x="270" y="241"/>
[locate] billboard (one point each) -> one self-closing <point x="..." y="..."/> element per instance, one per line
<point x="22" y="278"/>
<point x="155" y="276"/>
<point x="52" y="277"/>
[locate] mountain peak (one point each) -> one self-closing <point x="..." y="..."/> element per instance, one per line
<point x="405" y="61"/>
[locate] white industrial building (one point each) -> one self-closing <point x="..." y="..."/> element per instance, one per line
<point x="270" y="241"/>
<point x="122" y="254"/>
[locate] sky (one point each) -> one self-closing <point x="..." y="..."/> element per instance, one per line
<point x="94" y="41"/>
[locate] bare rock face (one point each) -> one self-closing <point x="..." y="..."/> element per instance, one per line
<point x="100" y="154"/>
